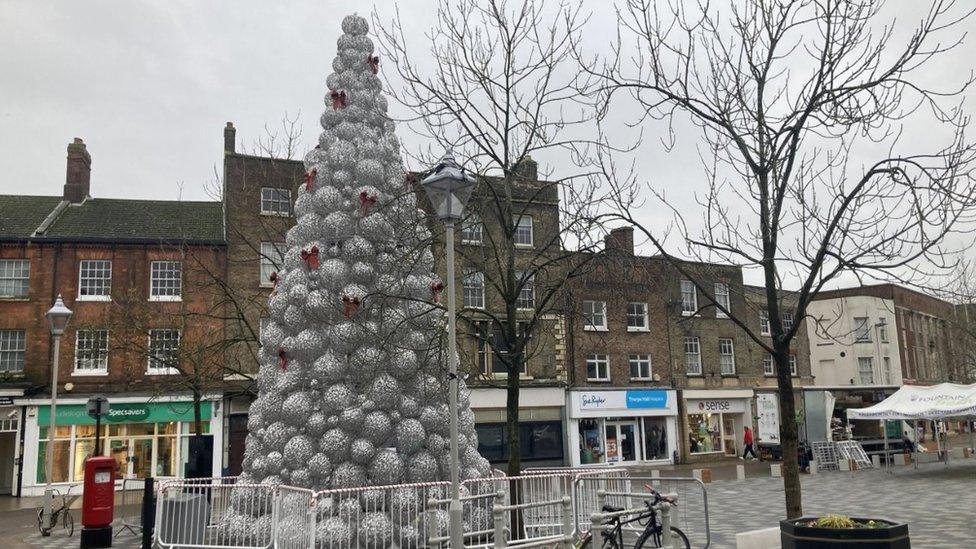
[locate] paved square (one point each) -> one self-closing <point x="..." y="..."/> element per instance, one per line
<point x="937" y="502"/>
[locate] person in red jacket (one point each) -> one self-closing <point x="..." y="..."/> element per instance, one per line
<point x="748" y="442"/>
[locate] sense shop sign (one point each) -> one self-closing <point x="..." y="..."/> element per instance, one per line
<point x="717" y="406"/>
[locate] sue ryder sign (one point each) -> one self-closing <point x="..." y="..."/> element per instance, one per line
<point x="607" y="401"/>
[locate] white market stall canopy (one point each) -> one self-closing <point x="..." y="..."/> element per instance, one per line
<point x="945" y="400"/>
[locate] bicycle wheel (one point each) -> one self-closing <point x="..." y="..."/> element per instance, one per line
<point x="678" y="540"/>
<point x="608" y="542"/>
<point x="68" y="522"/>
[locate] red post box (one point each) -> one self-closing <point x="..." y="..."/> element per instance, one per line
<point x="98" y="502"/>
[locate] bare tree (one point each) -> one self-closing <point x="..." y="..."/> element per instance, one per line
<point x="800" y="106"/>
<point x="501" y="86"/>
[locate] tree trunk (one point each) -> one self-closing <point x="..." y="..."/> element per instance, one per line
<point x="788" y="432"/>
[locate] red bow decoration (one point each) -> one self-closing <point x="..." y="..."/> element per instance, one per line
<point x="273" y="277"/>
<point x="374" y="63"/>
<point x="311" y="257"/>
<point x="350" y="305"/>
<point x="409" y="180"/>
<point x="436" y="287"/>
<point x="309" y="179"/>
<point x="366" y="201"/>
<point x="338" y="99"/>
<point x="282" y="358"/>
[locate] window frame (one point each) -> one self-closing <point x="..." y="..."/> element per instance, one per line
<point x="727" y="302"/>
<point x="860" y="370"/>
<point x="768" y="360"/>
<point x="163" y="370"/>
<point x="598" y="359"/>
<point x="640" y="359"/>
<point x="276" y="201"/>
<point x="723" y="356"/>
<point x="696" y="341"/>
<point x="265" y="261"/>
<point x="787" y="319"/>
<point x="15" y="276"/>
<point x="528" y="288"/>
<point x="764" y="323"/>
<point x="9" y="353"/>
<point x="487" y="347"/>
<point x="589" y="317"/>
<point x="862" y="331"/>
<point x="644" y="316"/>
<point x="883" y="330"/>
<point x="152" y="279"/>
<point x="81" y="281"/>
<point x="794" y="365"/>
<point x="472" y="222"/>
<point x="100" y="337"/>
<point x="467" y="289"/>
<point x="685" y="311"/>
<point x="519" y="228"/>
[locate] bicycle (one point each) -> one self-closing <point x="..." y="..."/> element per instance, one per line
<point x="63" y="513"/>
<point x="653" y="529"/>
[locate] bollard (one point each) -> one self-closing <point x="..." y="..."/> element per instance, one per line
<point x="601" y="499"/>
<point x="740" y="472"/>
<point x="596" y="525"/>
<point x="665" y="524"/>
<point x="432" y="520"/>
<point x="498" y="514"/>
<point x="813" y="467"/>
<point x="148" y="512"/>
<point x="568" y="523"/>
<point x="655" y="473"/>
<point x="704" y="475"/>
<point x="776" y="470"/>
<point x="876" y="461"/>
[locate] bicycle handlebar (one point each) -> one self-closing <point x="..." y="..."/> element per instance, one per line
<point x="658" y="496"/>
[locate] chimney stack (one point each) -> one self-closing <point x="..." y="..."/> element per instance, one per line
<point x="77" y="183"/>
<point x="527" y="169"/>
<point x="620" y="240"/>
<point x="229" y="137"/>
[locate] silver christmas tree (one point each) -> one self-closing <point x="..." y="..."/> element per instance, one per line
<point x="352" y="388"/>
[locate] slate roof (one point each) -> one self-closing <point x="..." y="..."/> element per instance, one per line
<point x="113" y="220"/>
<point x="20" y="215"/>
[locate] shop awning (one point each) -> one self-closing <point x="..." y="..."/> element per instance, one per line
<point x="946" y="400"/>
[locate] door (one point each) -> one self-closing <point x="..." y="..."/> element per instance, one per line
<point x="238" y="433"/>
<point x="142" y="457"/>
<point x="8" y="442"/>
<point x="622" y="441"/>
<point x="119" y="450"/>
<point x="728" y="434"/>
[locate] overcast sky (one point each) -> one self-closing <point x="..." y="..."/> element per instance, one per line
<point x="150" y="85"/>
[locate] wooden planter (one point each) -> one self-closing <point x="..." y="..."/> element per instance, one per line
<point x="794" y="534"/>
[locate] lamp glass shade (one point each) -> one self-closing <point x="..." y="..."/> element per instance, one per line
<point x="448" y="188"/>
<point x="58" y="317"/>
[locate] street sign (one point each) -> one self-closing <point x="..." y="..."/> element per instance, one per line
<point x="97" y="407"/>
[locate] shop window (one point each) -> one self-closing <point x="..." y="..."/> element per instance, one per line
<point x="726" y="356"/>
<point x="473" y="290"/>
<point x="91" y="352"/>
<point x="94" y="280"/>
<point x="637" y="317"/>
<point x="597" y="367"/>
<point x="275" y="201"/>
<point x="722" y="298"/>
<point x="705" y="433"/>
<point x="272" y="258"/>
<point x="61" y="457"/>
<point x="166" y="281"/>
<point x="862" y="332"/>
<point x="471" y="230"/>
<point x="693" y="364"/>
<point x="595" y="315"/>
<point x="655" y="438"/>
<point x="689" y="298"/>
<point x="640" y="366"/>
<point x="13" y="344"/>
<point x="591" y="441"/>
<point x="538" y="440"/>
<point x="14" y="278"/>
<point x="764" y="322"/>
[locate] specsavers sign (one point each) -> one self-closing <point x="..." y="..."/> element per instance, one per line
<point x="126" y="412"/>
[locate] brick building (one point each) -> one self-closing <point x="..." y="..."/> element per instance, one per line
<point x="137" y="276"/>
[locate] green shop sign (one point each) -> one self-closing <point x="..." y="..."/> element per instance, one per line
<point x="125" y="412"/>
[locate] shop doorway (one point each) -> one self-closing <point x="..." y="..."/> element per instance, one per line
<point x="622" y="441"/>
<point x="8" y="444"/>
<point x="133" y="457"/>
<point x="728" y="435"/>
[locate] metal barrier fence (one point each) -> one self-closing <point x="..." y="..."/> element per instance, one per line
<point x="690" y="514"/>
<point x="545" y="509"/>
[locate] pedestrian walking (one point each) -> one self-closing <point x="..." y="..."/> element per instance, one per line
<point x="748" y="441"/>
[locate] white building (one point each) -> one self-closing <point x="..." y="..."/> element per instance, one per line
<point x="853" y="342"/>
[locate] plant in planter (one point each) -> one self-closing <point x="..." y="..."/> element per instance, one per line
<point x="836" y="531"/>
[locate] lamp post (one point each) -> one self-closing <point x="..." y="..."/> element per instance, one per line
<point x="57" y="318"/>
<point x="449" y="187"/>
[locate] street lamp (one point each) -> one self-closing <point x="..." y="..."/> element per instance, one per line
<point x="57" y="318"/>
<point x="449" y="187"/>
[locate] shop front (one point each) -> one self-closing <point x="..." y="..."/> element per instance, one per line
<point x="146" y="439"/>
<point x="622" y="426"/>
<point x="541" y="413"/>
<point x="714" y="422"/>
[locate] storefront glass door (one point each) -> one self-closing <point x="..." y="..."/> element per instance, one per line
<point x="142" y="456"/>
<point x="728" y="434"/>
<point x="621" y="440"/>
<point x="119" y="450"/>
